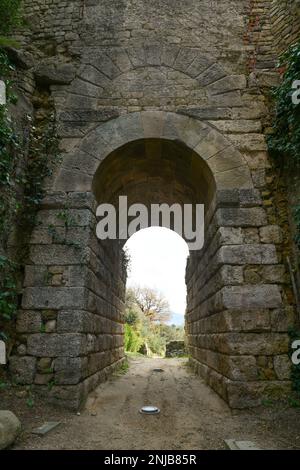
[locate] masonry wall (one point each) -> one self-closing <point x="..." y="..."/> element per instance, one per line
<point x="70" y="328"/>
<point x="236" y="318"/>
<point x="210" y="61"/>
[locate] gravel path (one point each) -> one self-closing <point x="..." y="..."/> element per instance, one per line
<point x="192" y="415"/>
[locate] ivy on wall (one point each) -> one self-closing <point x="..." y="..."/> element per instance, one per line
<point x="10" y="17"/>
<point x="284" y="146"/>
<point x="284" y="142"/>
<point x="9" y="146"/>
<point x="27" y="152"/>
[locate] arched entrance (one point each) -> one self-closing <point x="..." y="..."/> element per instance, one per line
<point x="71" y="322"/>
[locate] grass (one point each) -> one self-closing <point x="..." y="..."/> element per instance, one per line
<point x="122" y="369"/>
<point x="134" y="354"/>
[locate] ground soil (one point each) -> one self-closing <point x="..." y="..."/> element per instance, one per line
<point x="192" y="416"/>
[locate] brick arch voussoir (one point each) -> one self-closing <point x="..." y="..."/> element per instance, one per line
<point x="111" y="63"/>
<point x="227" y="164"/>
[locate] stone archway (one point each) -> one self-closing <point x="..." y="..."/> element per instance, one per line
<point x="71" y="320"/>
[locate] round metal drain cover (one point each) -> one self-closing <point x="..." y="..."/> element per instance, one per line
<point x="158" y="370"/>
<point x="150" y="410"/>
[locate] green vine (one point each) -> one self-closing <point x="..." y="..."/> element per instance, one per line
<point x="28" y="150"/>
<point x="284" y="147"/>
<point x="10" y="17"/>
<point x="284" y="141"/>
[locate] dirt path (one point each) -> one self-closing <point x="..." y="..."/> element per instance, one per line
<point x="192" y="416"/>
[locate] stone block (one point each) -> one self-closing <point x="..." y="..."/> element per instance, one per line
<point x="241" y="217"/>
<point x="54" y="345"/>
<point x="247" y="254"/>
<point x="228" y="83"/>
<point x="249" y="142"/>
<point x="282" y="367"/>
<point x="242" y="395"/>
<point x="270" y="234"/>
<point x="251" y="297"/>
<point x="44" y="365"/>
<point x="282" y="318"/>
<point x="56" y="298"/>
<point x="10" y="427"/>
<point x="230" y="236"/>
<point x="251" y="343"/>
<point x="212" y="74"/>
<point x="29" y="321"/>
<point x="70" y="370"/>
<point x="23" y="369"/>
<point x="54" y="74"/>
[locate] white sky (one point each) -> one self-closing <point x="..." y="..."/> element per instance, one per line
<point x="158" y="260"/>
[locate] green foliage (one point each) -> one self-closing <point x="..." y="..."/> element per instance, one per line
<point x="8" y="300"/>
<point x="156" y="343"/>
<point x="123" y="369"/>
<point x="140" y="330"/>
<point x="284" y="142"/>
<point x="133" y="340"/>
<point x="293" y="402"/>
<point x="294" y="334"/>
<point x="10" y="15"/>
<point x="131" y="316"/>
<point x="10" y="146"/>
<point x="26" y="157"/>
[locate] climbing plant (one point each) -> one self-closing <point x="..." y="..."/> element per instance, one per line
<point x="10" y="17"/>
<point x="284" y="147"/>
<point x="284" y="141"/>
<point x="9" y="179"/>
<point x="27" y="152"/>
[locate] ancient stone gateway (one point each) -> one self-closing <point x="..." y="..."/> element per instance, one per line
<point x="75" y="286"/>
<point x="161" y="118"/>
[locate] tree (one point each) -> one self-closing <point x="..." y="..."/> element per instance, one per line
<point x="133" y="340"/>
<point x="132" y="311"/>
<point x="151" y="303"/>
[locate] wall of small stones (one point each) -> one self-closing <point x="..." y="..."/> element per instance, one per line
<point x="175" y="349"/>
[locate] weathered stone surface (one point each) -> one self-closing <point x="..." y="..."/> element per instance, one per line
<point x="150" y="109"/>
<point x="246" y="395"/>
<point x="175" y="349"/>
<point x="52" y="74"/>
<point x="251" y="297"/>
<point x="54" y="297"/>
<point x="77" y="321"/>
<point x="54" y="345"/>
<point x="282" y="366"/>
<point x="29" y="321"/>
<point x="44" y="365"/>
<point x="23" y="369"/>
<point x="282" y="318"/>
<point x="241" y="217"/>
<point x="50" y="326"/>
<point x="43" y="379"/>
<point x="10" y="427"/>
<point x="248" y="254"/>
<point x="70" y="370"/>
<point x="100" y="115"/>
<point x="270" y="234"/>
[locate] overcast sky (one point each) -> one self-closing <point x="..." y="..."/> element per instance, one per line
<point x="158" y="260"/>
